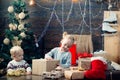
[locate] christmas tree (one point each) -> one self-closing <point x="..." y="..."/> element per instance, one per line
<point x="18" y="33"/>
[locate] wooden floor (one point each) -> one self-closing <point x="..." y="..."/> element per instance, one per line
<point x="28" y="77"/>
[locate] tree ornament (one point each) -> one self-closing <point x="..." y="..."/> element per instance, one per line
<point x="20" y="27"/>
<point x="23" y="35"/>
<point x="22" y="15"/>
<point x="10" y="9"/>
<point x="6" y="41"/>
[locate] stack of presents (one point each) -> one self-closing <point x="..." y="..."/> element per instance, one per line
<point x="90" y="67"/>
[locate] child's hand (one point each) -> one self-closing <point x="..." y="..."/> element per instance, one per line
<point x="49" y="58"/>
<point x="28" y="73"/>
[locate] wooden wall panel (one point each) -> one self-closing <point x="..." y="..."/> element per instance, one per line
<point x="112" y="41"/>
<point x="112" y="47"/>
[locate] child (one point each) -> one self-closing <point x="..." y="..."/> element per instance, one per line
<point x="62" y="53"/>
<point x="18" y="66"/>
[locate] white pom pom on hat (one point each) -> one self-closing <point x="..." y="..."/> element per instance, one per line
<point x="99" y="58"/>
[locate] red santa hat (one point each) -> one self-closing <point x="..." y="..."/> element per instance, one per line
<point x="99" y="58"/>
<point x="98" y="68"/>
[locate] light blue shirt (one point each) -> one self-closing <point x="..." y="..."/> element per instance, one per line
<point x="63" y="57"/>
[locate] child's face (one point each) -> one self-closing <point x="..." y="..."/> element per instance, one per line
<point x="65" y="45"/>
<point x="18" y="57"/>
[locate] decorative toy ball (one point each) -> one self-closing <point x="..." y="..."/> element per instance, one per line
<point x="10" y="72"/>
<point x="22" y="71"/>
<point x="17" y="72"/>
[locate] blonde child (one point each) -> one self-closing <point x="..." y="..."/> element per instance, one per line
<point x="18" y="66"/>
<point x="62" y="53"/>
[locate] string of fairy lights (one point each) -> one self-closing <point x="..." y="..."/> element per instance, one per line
<point x="82" y="10"/>
<point x="63" y="20"/>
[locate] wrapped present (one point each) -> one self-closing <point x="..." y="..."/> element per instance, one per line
<point x="100" y="53"/>
<point x="84" y="63"/>
<point x="74" y="68"/>
<point x="74" y="74"/>
<point x="42" y="65"/>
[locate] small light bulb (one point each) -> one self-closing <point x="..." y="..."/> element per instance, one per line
<point x="32" y="2"/>
<point x="75" y="1"/>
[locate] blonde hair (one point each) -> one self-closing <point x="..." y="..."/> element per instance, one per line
<point x="66" y="36"/>
<point x="16" y="50"/>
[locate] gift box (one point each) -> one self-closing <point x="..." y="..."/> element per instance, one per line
<point x="84" y="63"/>
<point x="74" y="74"/>
<point x="42" y="65"/>
<point x="100" y="53"/>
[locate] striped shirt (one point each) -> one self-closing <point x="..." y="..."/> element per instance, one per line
<point x="22" y="64"/>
